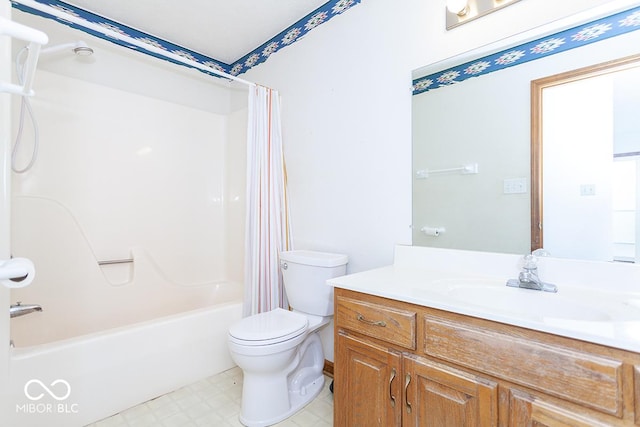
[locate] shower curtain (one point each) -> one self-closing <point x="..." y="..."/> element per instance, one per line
<point x="267" y="222"/>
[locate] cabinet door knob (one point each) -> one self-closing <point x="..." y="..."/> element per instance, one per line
<point x="391" y="396"/>
<point x="407" y="380"/>
<point x="381" y="323"/>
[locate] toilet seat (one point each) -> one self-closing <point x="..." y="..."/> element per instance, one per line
<point x="267" y="328"/>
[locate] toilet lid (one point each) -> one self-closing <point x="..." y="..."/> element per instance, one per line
<point x="268" y="328"/>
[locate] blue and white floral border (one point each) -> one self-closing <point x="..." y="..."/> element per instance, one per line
<point x="285" y="38"/>
<point x="611" y="26"/>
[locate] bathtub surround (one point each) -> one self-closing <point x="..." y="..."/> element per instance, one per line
<point x="128" y="169"/>
<point x="267" y="225"/>
<point x="120" y="176"/>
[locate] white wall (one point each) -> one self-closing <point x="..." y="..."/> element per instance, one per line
<point x="347" y="115"/>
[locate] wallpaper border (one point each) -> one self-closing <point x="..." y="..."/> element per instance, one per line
<point x="257" y="56"/>
<point x="580" y="35"/>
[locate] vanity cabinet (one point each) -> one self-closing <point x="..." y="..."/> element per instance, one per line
<point x="401" y="364"/>
<point x="371" y="390"/>
<point x="383" y="387"/>
<point x="381" y="381"/>
<point x="439" y="395"/>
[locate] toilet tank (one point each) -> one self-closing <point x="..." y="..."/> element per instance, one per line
<point x="304" y="274"/>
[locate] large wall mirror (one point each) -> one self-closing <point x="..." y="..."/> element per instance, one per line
<point x="473" y="186"/>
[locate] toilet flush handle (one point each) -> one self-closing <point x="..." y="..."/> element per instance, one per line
<point x="284" y="265"/>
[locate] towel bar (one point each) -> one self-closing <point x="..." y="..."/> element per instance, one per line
<point x="115" y="261"/>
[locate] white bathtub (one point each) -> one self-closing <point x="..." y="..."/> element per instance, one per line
<point x="80" y="380"/>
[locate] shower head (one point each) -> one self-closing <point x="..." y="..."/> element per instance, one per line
<point x="80" y="48"/>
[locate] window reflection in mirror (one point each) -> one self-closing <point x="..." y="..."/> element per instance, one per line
<point x="586" y="133"/>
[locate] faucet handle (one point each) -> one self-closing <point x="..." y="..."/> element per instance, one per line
<point x="530" y="262"/>
<point x="541" y="252"/>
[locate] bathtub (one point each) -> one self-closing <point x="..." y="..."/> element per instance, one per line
<point x="80" y="380"/>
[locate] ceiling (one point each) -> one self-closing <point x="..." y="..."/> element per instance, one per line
<point x="237" y="34"/>
<point x="221" y="29"/>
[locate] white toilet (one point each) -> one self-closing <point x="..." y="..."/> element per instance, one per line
<point x="279" y="351"/>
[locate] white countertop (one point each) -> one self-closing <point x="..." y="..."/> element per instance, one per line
<point x="602" y="316"/>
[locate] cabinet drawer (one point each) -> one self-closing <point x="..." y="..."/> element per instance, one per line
<point x="583" y="378"/>
<point x="389" y="324"/>
<point x="527" y="410"/>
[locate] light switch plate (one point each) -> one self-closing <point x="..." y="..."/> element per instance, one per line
<point x="515" y="185"/>
<point x="588" y="190"/>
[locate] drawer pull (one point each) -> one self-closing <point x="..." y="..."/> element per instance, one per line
<point x="407" y="380"/>
<point x="381" y="323"/>
<point x="391" y="396"/>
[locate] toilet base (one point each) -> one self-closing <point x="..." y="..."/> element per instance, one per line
<point x="268" y="399"/>
<point x="297" y="401"/>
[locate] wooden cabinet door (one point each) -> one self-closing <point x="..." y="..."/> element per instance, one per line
<point x="437" y="395"/>
<point x="367" y="385"/>
<point x="528" y="411"/>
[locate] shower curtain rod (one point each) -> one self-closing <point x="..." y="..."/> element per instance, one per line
<point x="122" y="37"/>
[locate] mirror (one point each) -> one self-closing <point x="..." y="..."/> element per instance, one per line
<point x="472" y="182"/>
<point x="585" y="151"/>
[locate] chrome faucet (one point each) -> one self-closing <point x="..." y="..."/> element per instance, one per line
<point x="528" y="277"/>
<point x="18" y="309"/>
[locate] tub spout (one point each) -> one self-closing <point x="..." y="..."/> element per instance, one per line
<point x="18" y="309"/>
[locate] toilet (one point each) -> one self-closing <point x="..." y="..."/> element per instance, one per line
<point x="279" y="351"/>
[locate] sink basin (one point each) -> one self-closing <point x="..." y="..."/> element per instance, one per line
<point x="499" y="298"/>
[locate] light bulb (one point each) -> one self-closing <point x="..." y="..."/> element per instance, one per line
<point x="459" y="7"/>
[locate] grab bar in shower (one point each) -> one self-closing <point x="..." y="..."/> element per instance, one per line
<point x="116" y="261"/>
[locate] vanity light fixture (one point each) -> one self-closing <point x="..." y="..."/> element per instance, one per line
<point x="459" y="12"/>
<point x="459" y="7"/>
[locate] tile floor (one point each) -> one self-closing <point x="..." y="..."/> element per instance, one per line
<point x="213" y="402"/>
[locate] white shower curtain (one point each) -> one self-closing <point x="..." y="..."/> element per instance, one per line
<point x="267" y="224"/>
